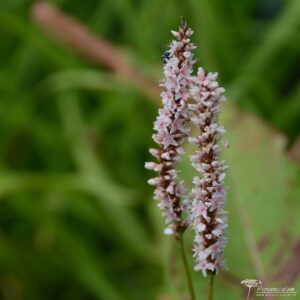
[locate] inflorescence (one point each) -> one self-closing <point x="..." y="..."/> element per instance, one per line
<point x="172" y="129"/>
<point x="190" y="99"/>
<point x="207" y="215"/>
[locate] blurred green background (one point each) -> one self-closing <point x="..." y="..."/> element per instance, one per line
<point x="77" y="219"/>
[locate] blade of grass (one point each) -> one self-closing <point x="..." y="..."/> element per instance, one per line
<point x="27" y="33"/>
<point x="87" y="183"/>
<point x="86" y="266"/>
<point x="280" y="33"/>
<point x="122" y="220"/>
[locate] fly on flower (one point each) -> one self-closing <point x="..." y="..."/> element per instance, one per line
<point x="165" y="56"/>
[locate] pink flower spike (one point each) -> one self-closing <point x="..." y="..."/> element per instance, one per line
<point x="209" y="192"/>
<point x="171" y="129"/>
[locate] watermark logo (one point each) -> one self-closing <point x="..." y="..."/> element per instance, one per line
<point x="250" y="283"/>
<point x="262" y="291"/>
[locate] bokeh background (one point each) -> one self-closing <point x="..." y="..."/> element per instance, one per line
<point x="77" y="219"/>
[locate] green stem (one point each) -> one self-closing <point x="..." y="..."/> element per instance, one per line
<point x="186" y="268"/>
<point x="211" y="286"/>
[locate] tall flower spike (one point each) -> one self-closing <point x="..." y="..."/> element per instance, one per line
<point x="171" y="129"/>
<point x="208" y="218"/>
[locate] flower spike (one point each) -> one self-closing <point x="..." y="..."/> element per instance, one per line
<point x="208" y="218"/>
<point x="172" y="129"/>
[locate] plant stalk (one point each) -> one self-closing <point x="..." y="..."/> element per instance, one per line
<point x="211" y="286"/>
<point x="186" y="268"/>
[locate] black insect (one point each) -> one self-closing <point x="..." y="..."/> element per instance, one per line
<point x="165" y="57"/>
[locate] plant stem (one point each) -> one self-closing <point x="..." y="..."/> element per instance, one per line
<point x="211" y="286"/>
<point x="186" y="268"/>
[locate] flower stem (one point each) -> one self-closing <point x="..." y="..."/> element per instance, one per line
<point x="186" y="268"/>
<point x="211" y="286"/>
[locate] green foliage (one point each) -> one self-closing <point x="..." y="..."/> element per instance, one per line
<point x="76" y="216"/>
